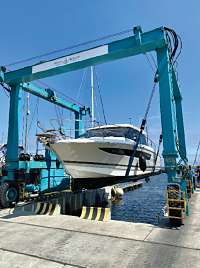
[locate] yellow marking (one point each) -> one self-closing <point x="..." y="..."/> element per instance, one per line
<point x="63" y="191"/>
<point x="100" y="211"/>
<point x="107" y="214"/>
<point x="38" y="205"/>
<point x="49" y="211"/>
<point x="98" y="214"/>
<point x="56" y="210"/>
<point x="44" y="208"/>
<point x="51" y="193"/>
<point x="67" y="190"/>
<point x="91" y="213"/>
<point x="185" y="205"/>
<point x="83" y="213"/>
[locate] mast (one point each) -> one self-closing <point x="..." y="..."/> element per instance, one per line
<point x="92" y="87"/>
<point x="26" y="129"/>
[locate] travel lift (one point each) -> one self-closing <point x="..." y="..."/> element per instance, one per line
<point x="174" y="148"/>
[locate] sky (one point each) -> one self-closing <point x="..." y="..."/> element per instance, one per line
<point x="31" y="28"/>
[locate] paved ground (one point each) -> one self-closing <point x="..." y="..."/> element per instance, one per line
<point x="64" y="241"/>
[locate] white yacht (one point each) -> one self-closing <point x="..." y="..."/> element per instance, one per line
<point x="105" y="151"/>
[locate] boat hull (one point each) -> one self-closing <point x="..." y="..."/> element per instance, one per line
<point x="87" y="158"/>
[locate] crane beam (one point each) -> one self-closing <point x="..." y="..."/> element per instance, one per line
<point x="50" y="95"/>
<point x="130" y="46"/>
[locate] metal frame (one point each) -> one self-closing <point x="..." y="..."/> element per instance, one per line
<point x="14" y="117"/>
<point x="139" y="43"/>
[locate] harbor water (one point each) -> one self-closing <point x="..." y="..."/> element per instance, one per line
<point x="144" y="204"/>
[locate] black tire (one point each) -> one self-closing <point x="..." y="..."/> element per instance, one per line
<point x="9" y="195"/>
<point x="176" y="222"/>
<point x="142" y="163"/>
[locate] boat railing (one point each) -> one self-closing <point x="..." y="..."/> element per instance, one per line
<point x="69" y="123"/>
<point x="65" y="128"/>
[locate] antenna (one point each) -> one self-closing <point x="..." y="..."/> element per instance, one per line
<point x="195" y="159"/>
<point x="92" y="87"/>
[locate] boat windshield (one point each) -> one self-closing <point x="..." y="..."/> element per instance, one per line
<point x="125" y="132"/>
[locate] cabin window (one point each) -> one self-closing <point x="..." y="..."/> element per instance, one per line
<point x="125" y="132"/>
<point x="128" y="133"/>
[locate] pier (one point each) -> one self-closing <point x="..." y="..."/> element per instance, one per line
<point x="68" y="241"/>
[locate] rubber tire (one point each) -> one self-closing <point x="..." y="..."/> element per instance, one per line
<point x="176" y="222"/>
<point x="3" y="189"/>
<point x="142" y="163"/>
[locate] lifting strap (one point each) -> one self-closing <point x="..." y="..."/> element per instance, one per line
<point x="135" y="146"/>
<point x="157" y="153"/>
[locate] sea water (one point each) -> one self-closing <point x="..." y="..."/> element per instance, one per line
<point x="144" y="204"/>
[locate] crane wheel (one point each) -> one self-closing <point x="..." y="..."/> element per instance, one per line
<point x="176" y="222"/>
<point x="9" y="195"/>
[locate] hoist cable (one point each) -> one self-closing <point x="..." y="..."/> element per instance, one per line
<point x="149" y="62"/>
<point x="58" y="117"/>
<point x="198" y="159"/>
<point x="59" y="120"/>
<point x="157" y="153"/>
<point x="59" y="92"/>
<point x="100" y="96"/>
<point x="96" y="103"/>
<point x="81" y="84"/>
<point x="153" y="60"/>
<point x="153" y="66"/>
<point x="70" y="47"/>
<point x="180" y="49"/>
<point x="196" y="154"/>
<point x="6" y="89"/>
<point x="179" y="148"/>
<point x="6" y="93"/>
<point x="131" y="159"/>
<point x="150" y="101"/>
<point x="175" y="39"/>
<point x="34" y="112"/>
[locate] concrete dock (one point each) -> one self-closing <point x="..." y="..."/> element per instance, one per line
<point x="67" y="241"/>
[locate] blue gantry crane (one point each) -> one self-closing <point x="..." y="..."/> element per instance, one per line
<point x="174" y="148"/>
<point x="42" y="173"/>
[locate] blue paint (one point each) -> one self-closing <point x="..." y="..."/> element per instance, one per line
<point x="13" y="131"/>
<point x="167" y="110"/>
<point x="119" y="49"/>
